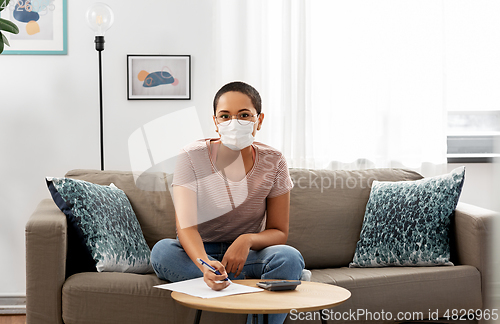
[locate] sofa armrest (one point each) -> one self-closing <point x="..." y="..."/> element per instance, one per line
<point x="473" y="228"/>
<point x="45" y="263"/>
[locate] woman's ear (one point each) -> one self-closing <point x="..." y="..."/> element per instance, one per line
<point x="260" y="119"/>
<point x="215" y="122"/>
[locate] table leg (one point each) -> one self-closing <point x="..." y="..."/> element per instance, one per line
<point x="197" y="316"/>
<point x="266" y="318"/>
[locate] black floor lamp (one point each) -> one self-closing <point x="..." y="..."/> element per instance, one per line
<point x="100" y="17"/>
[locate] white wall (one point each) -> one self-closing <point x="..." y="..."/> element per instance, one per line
<point x="49" y="109"/>
<point x="479" y="184"/>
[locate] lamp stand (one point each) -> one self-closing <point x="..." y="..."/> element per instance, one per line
<point x="99" y="46"/>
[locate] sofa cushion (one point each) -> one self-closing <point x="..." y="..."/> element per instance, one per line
<point x="131" y="298"/>
<point x="405" y="289"/>
<point x="148" y="196"/>
<point x="407" y="223"/>
<point x="327" y="209"/>
<point x="127" y="298"/>
<point x="105" y="222"/>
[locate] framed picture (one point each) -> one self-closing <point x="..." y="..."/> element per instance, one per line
<point x="159" y="77"/>
<point x="42" y="26"/>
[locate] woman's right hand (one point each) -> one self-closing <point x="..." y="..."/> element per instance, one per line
<point x="215" y="281"/>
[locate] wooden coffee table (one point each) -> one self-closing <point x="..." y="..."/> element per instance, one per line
<point x="308" y="297"/>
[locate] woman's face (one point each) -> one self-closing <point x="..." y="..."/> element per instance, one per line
<point x="233" y="103"/>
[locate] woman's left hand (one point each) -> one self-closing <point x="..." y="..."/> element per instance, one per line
<point x="236" y="255"/>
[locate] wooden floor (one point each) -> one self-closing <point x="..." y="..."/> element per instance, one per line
<point x="12" y="319"/>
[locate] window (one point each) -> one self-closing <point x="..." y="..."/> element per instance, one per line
<point x="472" y="136"/>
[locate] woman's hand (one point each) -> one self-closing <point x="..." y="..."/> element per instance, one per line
<point x="236" y="255"/>
<point x="215" y="281"/>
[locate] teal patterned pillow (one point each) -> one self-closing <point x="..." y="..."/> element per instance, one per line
<point x="105" y="221"/>
<point x="407" y="223"/>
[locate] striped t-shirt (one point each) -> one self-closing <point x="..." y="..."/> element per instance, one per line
<point x="226" y="209"/>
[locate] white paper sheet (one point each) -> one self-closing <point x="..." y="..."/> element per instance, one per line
<point x="197" y="287"/>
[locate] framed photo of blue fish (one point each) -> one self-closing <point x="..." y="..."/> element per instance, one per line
<point x="43" y="27"/>
<point x="159" y="77"/>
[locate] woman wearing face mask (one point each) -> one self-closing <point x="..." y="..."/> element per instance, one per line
<point x="232" y="200"/>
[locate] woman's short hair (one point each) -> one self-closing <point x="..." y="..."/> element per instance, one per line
<point x="242" y="87"/>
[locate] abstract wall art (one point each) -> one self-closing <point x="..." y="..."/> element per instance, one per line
<point x="42" y="26"/>
<point x="159" y="77"/>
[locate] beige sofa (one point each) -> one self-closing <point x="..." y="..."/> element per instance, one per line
<point x="327" y="209"/>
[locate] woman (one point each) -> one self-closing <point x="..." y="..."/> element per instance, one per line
<point x="232" y="201"/>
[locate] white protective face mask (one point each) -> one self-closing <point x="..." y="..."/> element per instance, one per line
<point x="236" y="136"/>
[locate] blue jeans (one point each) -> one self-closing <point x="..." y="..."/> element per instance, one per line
<point x="273" y="262"/>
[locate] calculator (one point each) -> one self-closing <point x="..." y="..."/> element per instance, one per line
<point x="275" y="285"/>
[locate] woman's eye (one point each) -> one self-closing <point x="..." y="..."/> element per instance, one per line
<point x="224" y="116"/>
<point x="244" y="115"/>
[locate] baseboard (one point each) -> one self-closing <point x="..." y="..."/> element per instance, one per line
<point x="13" y="304"/>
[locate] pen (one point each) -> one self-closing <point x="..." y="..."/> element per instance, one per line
<point x="209" y="267"/>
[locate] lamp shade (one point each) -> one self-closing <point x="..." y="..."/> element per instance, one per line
<point x="100" y="17"/>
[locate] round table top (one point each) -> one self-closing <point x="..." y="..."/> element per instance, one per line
<point x="307" y="297"/>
